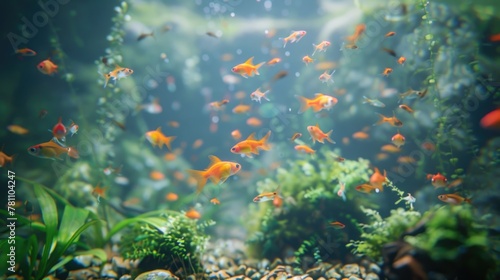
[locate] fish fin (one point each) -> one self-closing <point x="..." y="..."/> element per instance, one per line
<point x="251" y="136"/>
<point x="380" y="120"/>
<point x="200" y="178"/>
<point x="265" y="146"/>
<point x="213" y="160"/>
<point x="328" y="137"/>
<point x="249" y="61"/>
<point x="366" y="99"/>
<point x="72" y="152"/>
<point x="257" y="67"/>
<point x="158" y="129"/>
<point x="304" y="104"/>
<point x="168" y="140"/>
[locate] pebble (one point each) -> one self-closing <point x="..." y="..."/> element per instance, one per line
<point x="126" y="277"/>
<point x="316" y="272"/>
<point x="157" y="274"/>
<point x="372" y="276"/>
<point x="333" y="274"/>
<point x="108" y="272"/>
<point x="350" y="269"/>
<point x="82" y="274"/>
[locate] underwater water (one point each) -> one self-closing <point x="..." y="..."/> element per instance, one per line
<point x="250" y="139"/>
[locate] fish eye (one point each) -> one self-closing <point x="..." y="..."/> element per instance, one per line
<point x="40" y="66"/>
<point x="233" y="149"/>
<point x="33" y="149"/>
<point x="238" y="165"/>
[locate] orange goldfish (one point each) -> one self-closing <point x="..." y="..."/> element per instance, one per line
<point x="156" y="175"/>
<point x="197" y="143"/>
<point x="157" y="138"/>
<point x="52" y="150"/>
<point x="306" y="59"/>
<point x="326" y="78"/>
<point x="406" y="159"/>
<point x="117" y="74"/>
<point x="360" y="135"/>
<point x="218" y="171"/>
<point x="25" y="52"/>
<point x="4" y="159"/>
<point x="406" y="108"/>
<point x="296" y="136"/>
<point x="193" y="214"/>
<point x="171" y="196"/>
<point x="304" y="148"/>
<point x="339" y="159"/>
<point x="59" y="130"/>
<point x="437" y="180"/>
<point x="274" y="61"/>
<point x="428" y="146"/>
<point x="337" y="225"/>
<point x="253" y="121"/>
<point x="217" y="105"/>
<point x="390" y="148"/>
<point x="390" y="34"/>
<point x="266" y="196"/>
<point x="99" y="191"/>
<point x="321" y="47"/>
<point x="142" y="36"/>
<point x="294" y="37"/>
<point x="241" y="109"/>
<point x="320" y="102"/>
<point x="247" y="68"/>
<point x="360" y="28"/>
<point x="454" y="199"/>
<point x="366" y="188"/>
<point x="47" y="67"/>
<point x="153" y="108"/>
<point x="377" y="180"/>
<point x="277" y="201"/>
<point x="251" y="145"/>
<point x="387" y="71"/>
<point x="402" y="60"/>
<point x="398" y="140"/>
<point x="455" y="183"/>
<point x="318" y="135"/>
<point x="390" y="120"/>
<point x="214" y="201"/>
<point x="257" y="95"/>
<point x="236" y="134"/>
<point x="17" y="129"/>
<point x="491" y="120"/>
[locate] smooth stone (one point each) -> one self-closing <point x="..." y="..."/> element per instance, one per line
<point x="239" y="277"/>
<point x="84" y="260"/>
<point x="240" y="270"/>
<point x="126" y="277"/>
<point x="211" y="268"/>
<point x="256" y="276"/>
<point x="374" y="268"/>
<point x="120" y="265"/>
<point x="275" y="263"/>
<point x="108" y="272"/>
<point x="82" y="274"/>
<point x="225" y="262"/>
<point x="157" y="274"/>
<point x="263" y="265"/>
<point x="350" y="269"/>
<point x="250" y="271"/>
<point x="222" y="274"/>
<point x="372" y="276"/>
<point x="352" y="277"/>
<point x="333" y="274"/>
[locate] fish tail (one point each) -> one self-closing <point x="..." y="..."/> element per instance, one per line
<point x="304" y="104"/>
<point x="257" y="67"/>
<point x="200" y="178"/>
<point x="328" y="137"/>
<point x="365" y="99"/>
<point x="72" y="152"/>
<point x="381" y="119"/>
<point x="264" y="145"/>
<point x="168" y="140"/>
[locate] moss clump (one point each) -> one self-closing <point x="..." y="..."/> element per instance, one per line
<point x="382" y="231"/>
<point x="177" y="243"/>
<point x="310" y="201"/>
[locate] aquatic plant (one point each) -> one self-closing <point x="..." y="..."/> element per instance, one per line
<point x="170" y="240"/>
<point x="308" y="187"/>
<point x="59" y="236"/>
<point x="379" y="231"/>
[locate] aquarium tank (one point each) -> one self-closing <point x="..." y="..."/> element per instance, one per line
<point x="259" y="139"/>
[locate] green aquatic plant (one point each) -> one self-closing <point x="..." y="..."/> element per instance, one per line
<point x="310" y="201"/>
<point x="379" y="231"/>
<point x="59" y="236"/>
<point x="170" y="240"/>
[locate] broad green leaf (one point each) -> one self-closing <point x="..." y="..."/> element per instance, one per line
<point x="72" y="219"/>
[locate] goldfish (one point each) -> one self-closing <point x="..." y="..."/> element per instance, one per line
<point x="117" y="74"/>
<point x="214" y="201"/>
<point x="217" y="105"/>
<point x="390" y="52"/>
<point x="25" y="52"/>
<point x="341" y="191"/>
<point x="410" y="199"/>
<point x="153" y="108"/>
<point x="47" y="67"/>
<point x="390" y="148"/>
<point x="326" y="78"/>
<point x="321" y="47"/>
<point x="406" y="108"/>
<point x="4" y="159"/>
<point x="131" y="202"/>
<point x="274" y="61"/>
<point x="266" y="196"/>
<point x="143" y="36"/>
<point x="197" y="143"/>
<point x="378" y="180"/>
<point x="257" y="95"/>
<point x="491" y="120"/>
<point x="366" y="188"/>
<point x="360" y="135"/>
<point x="437" y="180"/>
<point x="156" y="175"/>
<point x="193" y="214"/>
<point x="59" y="131"/>
<point x="387" y="71"/>
<point x="304" y="148"/>
<point x="390" y="34"/>
<point x="339" y="159"/>
<point x="174" y="124"/>
<point x="384" y="156"/>
<point x="306" y="59"/>
<point x="390" y="120"/>
<point x="247" y="68"/>
<point x="218" y="172"/>
<point x="236" y="134"/>
<point x="241" y="109"/>
<point x="428" y="146"/>
<point x="253" y="121"/>
<point x="337" y="225"/>
<point x="454" y="199"/>
<point x="171" y="196"/>
<point x="398" y="139"/>
<point x="52" y="150"/>
<point x="295" y="36"/>
<point x="251" y="145"/>
<point x="296" y="135"/>
<point x="320" y="102"/>
<point x="157" y="138"/>
<point x="360" y="28"/>
<point x="99" y="191"/>
<point x="212" y="34"/>
<point x="73" y="128"/>
<point x="406" y="159"/>
<point x="373" y="102"/>
<point x="17" y="129"/>
<point x="402" y="60"/>
<point x="318" y="135"/>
